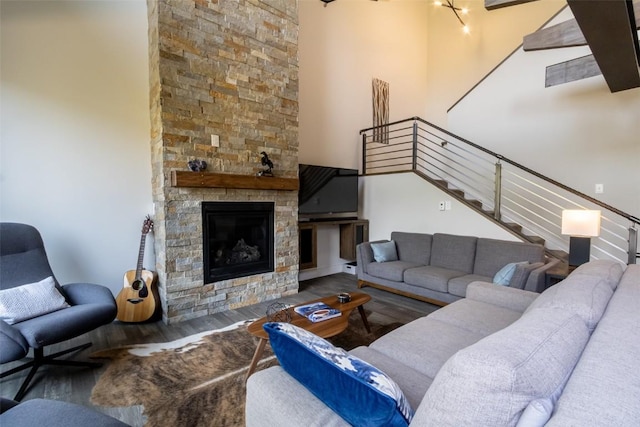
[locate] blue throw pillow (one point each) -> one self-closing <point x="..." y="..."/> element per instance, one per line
<point x="383" y="252"/>
<point x="358" y="392"/>
<point x="504" y="275"/>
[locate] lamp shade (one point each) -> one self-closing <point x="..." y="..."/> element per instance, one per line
<point x="580" y="222"/>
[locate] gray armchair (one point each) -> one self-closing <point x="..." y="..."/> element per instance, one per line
<point x="23" y="260"/>
<point x="52" y="413"/>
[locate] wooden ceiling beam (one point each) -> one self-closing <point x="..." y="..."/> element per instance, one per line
<point x="610" y="30"/>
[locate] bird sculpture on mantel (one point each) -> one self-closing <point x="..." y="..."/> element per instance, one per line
<point x="266" y="162"/>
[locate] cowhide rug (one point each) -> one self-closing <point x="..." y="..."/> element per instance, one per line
<point x="197" y="380"/>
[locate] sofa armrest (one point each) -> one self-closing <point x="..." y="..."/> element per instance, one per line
<point x="537" y="279"/>
<point x="501" y="296"/>
<point x="364" y="256"/>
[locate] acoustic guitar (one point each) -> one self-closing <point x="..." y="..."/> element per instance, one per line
<point x="138" y="299"/>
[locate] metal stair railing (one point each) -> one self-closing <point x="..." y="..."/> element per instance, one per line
<point x="520" y="199"/>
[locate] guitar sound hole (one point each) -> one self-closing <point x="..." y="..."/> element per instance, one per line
<point x="144" y="292"/>
<point x="137" y="285"/>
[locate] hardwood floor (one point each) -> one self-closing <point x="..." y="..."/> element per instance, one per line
<point x="75" y="384"/>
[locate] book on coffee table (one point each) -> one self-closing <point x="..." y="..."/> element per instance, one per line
<point x="317" y="311"/>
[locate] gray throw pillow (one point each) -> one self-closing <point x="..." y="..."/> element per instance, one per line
<point x="386" y="251"/>
<point x="31" y="300"/>
<point x="522" y="273"/>
<point x="504" y="275"/>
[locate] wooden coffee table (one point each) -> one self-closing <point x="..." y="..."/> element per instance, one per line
<point x="324" y="329"/>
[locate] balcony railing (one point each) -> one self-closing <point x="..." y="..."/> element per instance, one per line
<point x="510" y="193"/>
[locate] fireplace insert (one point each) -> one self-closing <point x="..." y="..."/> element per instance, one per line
<point x="238" y="239"/>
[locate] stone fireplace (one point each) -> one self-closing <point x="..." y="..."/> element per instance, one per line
<point x="227" y="71"/>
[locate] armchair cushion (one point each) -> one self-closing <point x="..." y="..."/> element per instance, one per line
<point x="30" y="300"/>
<point x="65" y="324"/>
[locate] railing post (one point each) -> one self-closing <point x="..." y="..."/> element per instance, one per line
<point x="364" y="154"/>
<point x="414" y="164"/>
<point x="633" y="245"/>
<point x="497" y="202"/>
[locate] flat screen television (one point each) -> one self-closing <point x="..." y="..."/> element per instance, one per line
<point x="327" y="192"/>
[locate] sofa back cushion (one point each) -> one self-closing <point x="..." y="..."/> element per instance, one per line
<point x="491" y="382"/>
<point x="604" y="389"/>
<point x="492" y="255"/>
<point x="586" y="292"/>
<point x="454" y="252"/>
<point x="413" y="247"/>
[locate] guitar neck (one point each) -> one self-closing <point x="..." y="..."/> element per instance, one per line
<point x="143" y="238"/>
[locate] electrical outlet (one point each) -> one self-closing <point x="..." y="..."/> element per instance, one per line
<point x="215" y="140"/>
<point x="442" y="206"/>
<point x="599" y="188"/>
<point x="447" y="205"/>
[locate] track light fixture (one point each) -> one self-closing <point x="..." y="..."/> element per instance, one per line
<point x="456" y="10"/>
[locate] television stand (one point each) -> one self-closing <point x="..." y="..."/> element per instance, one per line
<point x="352" y="233"/>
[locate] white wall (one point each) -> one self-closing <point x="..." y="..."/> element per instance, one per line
<point x="458" y="61"/>
<point x="342" y="47"/>
<point x="391" y="210"/>
<point x="75" y="158"/>
<point x="578" y="133"/>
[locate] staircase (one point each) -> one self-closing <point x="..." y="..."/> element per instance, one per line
<point x="518" y="199"/>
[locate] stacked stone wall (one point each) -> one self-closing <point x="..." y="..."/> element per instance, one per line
<point x="226" y="68"/>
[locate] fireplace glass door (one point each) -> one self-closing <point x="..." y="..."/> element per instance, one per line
<point x="238" y="239"/>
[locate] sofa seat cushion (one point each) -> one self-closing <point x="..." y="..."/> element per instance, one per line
<point x="413" y="247"/>
<point x="272" y="394"/>
<point x="475" y="316"/>
<point x="586" y="293"/>
<point x="605" y="379"/>
<point x="359" y="392"/>
<point x="430" y="277"/>
<point x="425" y="344"/>
<point x="458" y="285"/>
<point x="414" y="384"/>
<point x="492" y="255"/>
<point x="392" y="270"/>
<point x="530" y="359"/>
<point x="453" y="252"/>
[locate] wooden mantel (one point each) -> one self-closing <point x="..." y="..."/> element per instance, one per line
<point x="221" y="180"/>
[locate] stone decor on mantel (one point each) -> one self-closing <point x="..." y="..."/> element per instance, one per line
<point x="230" y="69"/>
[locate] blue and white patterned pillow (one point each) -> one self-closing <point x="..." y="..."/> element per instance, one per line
<point x="359" y="392"/>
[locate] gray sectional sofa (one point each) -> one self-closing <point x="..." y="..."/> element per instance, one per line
<point x="438" y="267"/>
<point x="499" y="357"/>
